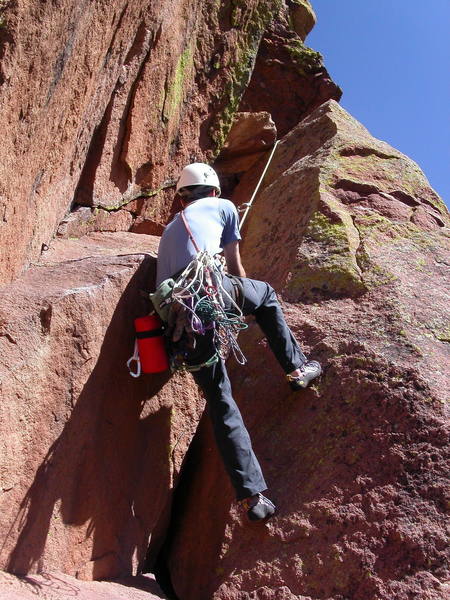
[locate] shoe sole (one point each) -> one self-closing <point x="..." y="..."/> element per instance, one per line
<point x="264" y="520"/>
<point x="303" y="384"/>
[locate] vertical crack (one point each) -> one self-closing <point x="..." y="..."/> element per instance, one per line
<point x="120" y="171"/>
<point x="158" y="560"/>
<point x="360" y="253"/>
<point x="143" y="37"/>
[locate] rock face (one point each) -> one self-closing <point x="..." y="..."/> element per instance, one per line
<point x="105" y="476"/>
<point x="247" y="143"/>
<point x="89" y="455"/>
<point x="63" y="587"/>
<point x="289" y="79"/>
<point x="111" y="102"/>
<point x="356" y="464"/>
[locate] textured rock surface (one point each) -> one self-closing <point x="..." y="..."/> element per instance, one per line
<point x="63" y="587"/>
<point x="289" y="79"/>
<point x="358" y="464"/>
<point x="111" y="101"/>
<point x="97" y="117"/>
<point x="85" y="220"/>
<point x="89" y="455"/>
<point x="302" y="16"/>
<point x="251" y="133"/>
<point x="249" y="138"/>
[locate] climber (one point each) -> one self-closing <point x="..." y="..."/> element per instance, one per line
<point x="208" y="222"/>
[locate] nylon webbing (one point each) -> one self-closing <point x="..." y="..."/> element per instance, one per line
<point x="188" y="229"/>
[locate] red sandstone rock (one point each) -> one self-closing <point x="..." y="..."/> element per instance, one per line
<point x="103" y="101"/>
<point x="85" y="220"/>
<point x="247" y="142"/>
<point x="303" y="17"/>
<point x="103" y="110"/>
<point x="358" y="463"/>
<point x="251" y="133"/>
<point x="89" y="456"/>
<point x="98" y="245"/>
<point x="117" y="97"/>
<point x="289" y="79"/>
<point x="57" y="586"/>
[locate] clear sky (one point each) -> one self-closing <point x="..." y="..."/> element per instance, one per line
<point x="392" y="60"/>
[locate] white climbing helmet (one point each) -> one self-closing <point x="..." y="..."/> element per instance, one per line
<point x="198" y="174"/>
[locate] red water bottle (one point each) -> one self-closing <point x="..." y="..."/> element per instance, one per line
<point x="151" y="346"/>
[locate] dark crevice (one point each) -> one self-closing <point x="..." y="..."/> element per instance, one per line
<point x="159" y="563"/>
<point x="364" y="151"/>
<point x="353" y="192"/>
<point x="138" y="44"/>
<point x="405" y="198"/>
<point x="85" y="189"/>
<point x="435" y="210"/>
<point x="121" y="173"/>
<point x="439" y="222"/>
<point x="61" y="62"/>
<point x="66" y="52"/>
<point x="360" y="253"/>
<point x="363" y="189"/>
<point x="6" y="35"/>
<point x="113" y="39"/>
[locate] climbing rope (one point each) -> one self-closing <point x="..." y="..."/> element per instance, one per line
<point x="199" y="289"/>
<point x="248" y="204"/>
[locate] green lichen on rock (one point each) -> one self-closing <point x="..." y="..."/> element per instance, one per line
<point x="323" y="230"/>
<point x="443" y="335"/>
<point x="305" y="59"/>
<point x="254" y="21"/>
<point x="175" y="89"/>
<point x="373" y="274"/>
<point x="252" y="24"/>
<point x="334" y="260"/>
<point x="326" y="261"/>
<point x="384" y="230"/>
<point x="391" y="167"/>
<point x="232" y="93"/>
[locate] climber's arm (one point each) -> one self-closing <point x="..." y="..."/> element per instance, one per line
<point x="233" y="259"/>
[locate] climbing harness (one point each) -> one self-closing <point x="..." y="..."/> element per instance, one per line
<point x="200" y="291"/>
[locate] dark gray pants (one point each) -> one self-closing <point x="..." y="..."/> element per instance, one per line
<point x="232" y="438"/>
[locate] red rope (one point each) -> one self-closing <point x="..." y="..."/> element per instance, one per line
<point x="186" y="224"/>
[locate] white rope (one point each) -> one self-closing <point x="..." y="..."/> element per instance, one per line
<point x="250" y="202"/>
<point x="201" y="279"/>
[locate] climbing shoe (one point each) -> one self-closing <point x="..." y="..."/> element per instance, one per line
<point x="308" y="372"/>
<point x="258" y="507"/>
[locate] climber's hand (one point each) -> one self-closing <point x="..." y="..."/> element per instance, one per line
<point x="179" y="324"/>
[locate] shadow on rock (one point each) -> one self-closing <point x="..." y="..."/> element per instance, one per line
<point x="108" y="473"/>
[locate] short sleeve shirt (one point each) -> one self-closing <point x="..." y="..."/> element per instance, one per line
<point x="214" y="223"/>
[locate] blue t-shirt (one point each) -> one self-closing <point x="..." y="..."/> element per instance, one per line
<point x="214" y="223"/>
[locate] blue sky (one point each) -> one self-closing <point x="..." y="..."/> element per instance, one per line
<point x="392" y="60"/>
